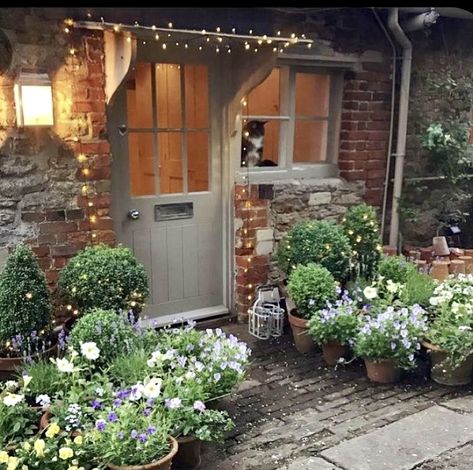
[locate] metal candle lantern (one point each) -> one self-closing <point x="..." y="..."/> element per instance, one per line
<point x="266" y="317"/>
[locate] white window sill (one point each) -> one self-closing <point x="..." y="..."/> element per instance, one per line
<point x="298" y="171"/>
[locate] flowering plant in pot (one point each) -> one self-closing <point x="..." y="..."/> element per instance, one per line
<point x="310" y="287"/>
<point x="335" y="327"/>
<point x="388" y="339"/>
<point x="453" y="292"/>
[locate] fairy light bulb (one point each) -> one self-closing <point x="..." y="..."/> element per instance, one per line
<point x="247" y="46"/>
<point x="90" y="204"/>
<point x="67" y="30"/>
<point x="93" y="218"/>
<point x="164" y="46"/>
<point x="29" y="295"/>
<point x="81" y="158"/>
<point x="186" y="45"/>
<point x="153" y="27"/>
<point x="233" y="30"/>
<point x="128" y="39"/>
<point x="116" y="28"/>
<point x="86" y="172"/>
<point x="309" y="46"/>
<point x="156" y="37"/>
<point x="69" y="307"/>
<point x="218" y="29"/>
<point x="170" y="25"/>
<point x="200" y="48"/>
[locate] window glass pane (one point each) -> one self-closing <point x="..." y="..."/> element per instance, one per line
<point x="141" y="160"/>
<point x="312" y="94"/>
<point x="170" y="162"/>
<point x="264" y="99"/>
<point x="168" y="95"/>
<point x="197" y="101"/>
<point x="260" y="143"/>
<point x="310" y="141"/>
<point x="198" y="161"/>
<point x="138" y="94"/>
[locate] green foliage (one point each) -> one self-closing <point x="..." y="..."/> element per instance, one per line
<point x="310" y="287"/>
<point x="396" y="268"/>
<point x="337" y="323"/>
<point x="110" y="332"/>
<point x="127" y="369"/>
<point x="318" y="242"/>
<point x="45" y="378"/>
<point x="418" y="289"/>
<point x="360" y="225"/>
<point x="25" y="303"/>
<point x="104" y="277"/>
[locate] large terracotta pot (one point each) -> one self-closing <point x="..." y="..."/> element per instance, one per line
<point x="300" y="331"/>
<point x="442" y="373"/>
<point x="188" y="454"/>
<point x="161" y="464"/>
<point x="382" y="371"/>
<point x="333" y="351"/>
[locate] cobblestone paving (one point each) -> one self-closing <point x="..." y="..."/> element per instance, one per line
<point x="293" y="406"/>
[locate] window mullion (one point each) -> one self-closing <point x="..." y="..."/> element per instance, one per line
<point x="154" y="104"/>
<point x="291" y="111"/>
<point x="185" y="188"/>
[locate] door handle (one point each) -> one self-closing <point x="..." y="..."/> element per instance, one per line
<point x="122" y="129"/>
<point x="133" y="214"/>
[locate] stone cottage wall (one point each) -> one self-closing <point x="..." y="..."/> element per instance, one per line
<point x="42" y="199"/>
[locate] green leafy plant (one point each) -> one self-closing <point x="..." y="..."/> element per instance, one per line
<point x="318" y="242"/>
<point x="45" y="378"/>
<point x="110" y="333"/>
<point x="418" y="289"/>
<point x="127" y="369"/>
<point x="25" y="303"/>
<point x="396" y="268"/>
<point x="336" y="323"/>
<point x="310" y="287"/>
<point x="360" y="225"/>
<point x="104" y="277"/>
<point x="390" y="333"/>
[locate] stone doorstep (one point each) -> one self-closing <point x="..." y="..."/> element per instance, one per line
<point x="406" y="443"/>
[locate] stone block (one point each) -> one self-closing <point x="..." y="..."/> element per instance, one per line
<point x="265" y="234"/>
<point x="264" y="247"/>
<point x="318" y="199"/>
<point x="3" y="257"/>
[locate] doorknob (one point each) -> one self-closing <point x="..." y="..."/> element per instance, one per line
<point x="133" y="214"/>
<point x="122" y="129"/>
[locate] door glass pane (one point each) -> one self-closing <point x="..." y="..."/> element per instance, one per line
<point x="168" y="96"/>
<point x="197" y="100"/>
<point x="312" y="93"/>
<point x="141" y="163"/>
<point x="260" y="143"/>
<point x="138" y="94"/>
<point x="198" y="161"/>
<point x="170" y="162"/>
<point x="264" y="99"/>
<point x="310" y="141"/>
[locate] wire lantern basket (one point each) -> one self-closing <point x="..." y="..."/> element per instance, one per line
<point x="266" y="319"/>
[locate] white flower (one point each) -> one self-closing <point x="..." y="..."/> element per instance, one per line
<point x="11" y="385"/>
<point x="392" y="287"/>
<point x="12" y="399"/>
<point x="26" y="380"/>
<point x="64" y="365"/>
<point x="99" y="391"/>
<point x="464" y="328"/>
<point x="90" y="350"/>
<point x="370" y="292"/>
<point x="136" y="392"/>
<point x="153" y="388"/>
<point x="44" y="401"/>
<point x="434" y="301"/>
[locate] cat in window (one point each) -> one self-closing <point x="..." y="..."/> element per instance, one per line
<point x="252" y="143"/>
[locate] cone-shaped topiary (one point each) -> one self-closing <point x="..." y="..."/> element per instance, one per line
<point x="25" y="302"/>
<point x="315" y="241"/>
<point x="104" y="277"/>
<point x="360" y="225"/>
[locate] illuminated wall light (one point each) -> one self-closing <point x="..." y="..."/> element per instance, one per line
<point x="34" y="100"/>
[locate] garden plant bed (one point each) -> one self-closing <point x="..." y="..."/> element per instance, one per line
<point x="293" y="407"/>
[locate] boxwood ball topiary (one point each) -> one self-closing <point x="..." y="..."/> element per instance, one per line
<point x="315" y="242"/>
<point x="112" y="334"/>
<point x="25" y="302"/>
<point x="104" y="277"/>
<point x="310" y="287"/>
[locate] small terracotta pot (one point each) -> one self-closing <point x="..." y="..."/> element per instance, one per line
<point x="440" y="246"/>
<point x="188" y="454"/>
<point x="161" y="464"/>
<point x="439" y="270"/>
<point x="300" y="331"/>
<point x="442" y="373"/>
<point x="468" y="260"/>
<point x="389" y="250"/>
<point x="383" y="371"/>
<point x="333" y="351"/>
<point x="457" y="266"/>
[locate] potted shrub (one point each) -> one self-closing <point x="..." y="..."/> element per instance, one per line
<point x="334" y="328"/>
<point x="388" y="339"/>
<point x="318" y="242"/>
<point x="25" y="309"/>
<point x="360" y="225"/>
<point x="104" y="277"/>
<point x="449" y="338"/>
<point x="310" y="287"/>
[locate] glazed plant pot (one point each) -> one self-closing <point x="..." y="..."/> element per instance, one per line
<point x="383" y="371"/>
<point x="300" y="330"/>
<point x="188" y="454"/>
<point x="442" y="373"/>
<point x="161" y="464"/>
<point x="333" y="351"/>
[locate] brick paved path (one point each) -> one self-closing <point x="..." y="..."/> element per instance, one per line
<point x="293" y="406"/>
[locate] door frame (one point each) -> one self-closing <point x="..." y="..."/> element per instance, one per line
<point x="219" y="144"/>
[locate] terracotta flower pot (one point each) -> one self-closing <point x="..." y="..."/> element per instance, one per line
<point x="383" y="371"/>
<point x="300" y="330"/>
<point x="333" y="351"/>
<point x="443" y="373"/>
<point x="188" y="454"/>
<point x="161" y="464"/>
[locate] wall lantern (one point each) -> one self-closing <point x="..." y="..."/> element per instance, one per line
<point x="34" y="100"/>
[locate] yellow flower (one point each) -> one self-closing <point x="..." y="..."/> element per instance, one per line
<point x="52" y="430"/>
<point x="78" y="440"/>
<point x="65" y="453"/>
<point x="24" y="467"/>
<point x="13" y="463"/>
<point x="3" y="457"/>
<point x="26" y="446"/>
<point x="39" y="446"/>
